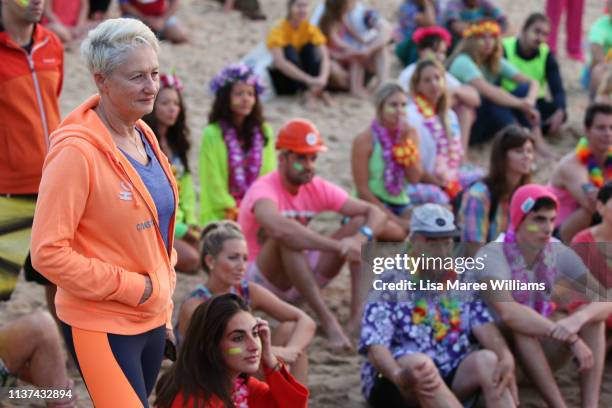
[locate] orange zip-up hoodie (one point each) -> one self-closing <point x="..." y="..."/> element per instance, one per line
<point x="30" y="86"/>
<point x="96" y="231"/>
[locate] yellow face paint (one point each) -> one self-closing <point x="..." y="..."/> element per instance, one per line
<point x="234" y="351"/>
<point x="23" y="3"/>
<point x="390" y="110"/>
<point x="532" y="228"/>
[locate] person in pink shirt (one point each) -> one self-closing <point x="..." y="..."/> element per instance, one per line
<point x="573" y="25"/>
<point x="285" y="255"/>
<point x="592" y="244"/>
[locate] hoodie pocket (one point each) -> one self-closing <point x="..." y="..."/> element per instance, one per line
<point x="160" y="296"/>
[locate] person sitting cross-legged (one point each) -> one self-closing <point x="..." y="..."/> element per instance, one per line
<point x="285" y="255"/>
<point x="423" y="349"/>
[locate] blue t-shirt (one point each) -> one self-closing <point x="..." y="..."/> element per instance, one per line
<point x="156" y="181"/>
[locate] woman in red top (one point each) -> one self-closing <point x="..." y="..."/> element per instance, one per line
<point x="223" y="347"/>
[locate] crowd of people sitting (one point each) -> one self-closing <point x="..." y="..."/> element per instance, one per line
<point x="118" y="209"/>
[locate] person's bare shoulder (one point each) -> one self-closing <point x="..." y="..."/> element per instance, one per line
<point x="569" y="169"/>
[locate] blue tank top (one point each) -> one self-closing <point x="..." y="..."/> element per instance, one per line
<point x="160" y="189"/>
<point x="202" y="292"/>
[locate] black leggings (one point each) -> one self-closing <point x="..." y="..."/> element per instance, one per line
<point x="307" y="60"/>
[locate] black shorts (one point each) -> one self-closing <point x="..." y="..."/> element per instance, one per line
<point x="385" y="394"/>
<point x="32" y="275"/>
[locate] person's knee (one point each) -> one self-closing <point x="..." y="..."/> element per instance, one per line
<point x="282" y="333"/>
<point x="486" y="362"/>
<point x="43" y="328"/>
<point x="417" y="360"/>
<point x="189" y="261"/>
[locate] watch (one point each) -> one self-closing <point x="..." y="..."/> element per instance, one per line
<point x="367" y="232"/>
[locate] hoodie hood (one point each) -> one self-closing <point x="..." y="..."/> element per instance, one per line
<point x="84" y="123"/>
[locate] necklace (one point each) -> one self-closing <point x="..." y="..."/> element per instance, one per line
<point x="142" y="153"/>
<point x="586" y="157"/>
<point x="243" y="166"/>
<point x="448" y="148"/>
<point x="394" y="173"/>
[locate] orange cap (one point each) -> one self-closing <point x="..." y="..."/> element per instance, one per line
<point x="300" y="136"/>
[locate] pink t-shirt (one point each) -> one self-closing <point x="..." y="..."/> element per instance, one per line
<point x="313" y="198"/>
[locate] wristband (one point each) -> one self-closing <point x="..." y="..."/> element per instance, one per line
<point x="571" y="343"/>
<point x="367" y="232"/>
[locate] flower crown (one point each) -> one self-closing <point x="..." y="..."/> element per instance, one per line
<point x="484" y="27"/>
<point x="423" y="32"/>
<point x="235" y="73"/>
<point x="170" y="81"/>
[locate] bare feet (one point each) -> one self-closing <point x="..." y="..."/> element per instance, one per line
<point x="338" y="341"/>
<point x="310" y="101"/>
<point x="327" y="100"/>
<point x="360" y="93"/>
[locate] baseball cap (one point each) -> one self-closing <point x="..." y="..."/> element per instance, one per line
<point x="523" y="200"/>
<point x="433" y="220"/>
<point x="300" y="136"/>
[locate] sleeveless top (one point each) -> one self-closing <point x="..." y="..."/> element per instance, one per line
<point x="534" y="68"/>
<point x="203" y="293"/>
<point x="376" y="176"/>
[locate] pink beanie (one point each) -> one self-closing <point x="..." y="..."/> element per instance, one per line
<point x="523" y="200"/>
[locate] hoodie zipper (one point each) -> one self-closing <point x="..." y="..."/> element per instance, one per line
<point x="41" y="108"/>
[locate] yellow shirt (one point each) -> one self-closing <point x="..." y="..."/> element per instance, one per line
<point x="284" y="34"/>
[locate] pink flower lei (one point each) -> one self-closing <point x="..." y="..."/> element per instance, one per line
<point x="240" y="393"/>
<point x="395" y="173"/>
<point x="243" y="170"/>
<point x="545" y="271"/>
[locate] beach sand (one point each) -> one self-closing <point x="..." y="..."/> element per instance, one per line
<point x="218" y="39"/>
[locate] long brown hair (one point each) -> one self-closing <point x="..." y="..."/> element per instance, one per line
<point x="510" y="137"/>
<point x="471" y="47"/>
<point x="334" y="10"/>
<point x="177" y="135"/>
<point x="200" y="371"/>
<point x="443" y="104"/>
<point x="222" y="111"/>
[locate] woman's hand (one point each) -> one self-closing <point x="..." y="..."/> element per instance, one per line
<point x="583" y="353"/>
<point x="267" y="356"/>
<point x="504" y="377"/>
<point x="148" y="290"/>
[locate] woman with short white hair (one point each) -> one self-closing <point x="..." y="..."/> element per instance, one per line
<point x="103" y="226"/>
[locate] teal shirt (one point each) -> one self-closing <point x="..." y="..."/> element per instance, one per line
<point x="601" y="33"/>
<point x="466" y="70"/>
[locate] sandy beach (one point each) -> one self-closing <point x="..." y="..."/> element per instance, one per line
<point x="217" y="39"/>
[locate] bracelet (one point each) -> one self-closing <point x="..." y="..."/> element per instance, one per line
<point x="571" y="344"/>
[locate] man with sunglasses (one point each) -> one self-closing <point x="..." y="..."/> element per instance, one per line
<point x="287" y="256"/>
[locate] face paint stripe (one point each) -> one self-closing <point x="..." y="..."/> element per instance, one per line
<point x="298" y="166"/>
<point x="234" y="351"/>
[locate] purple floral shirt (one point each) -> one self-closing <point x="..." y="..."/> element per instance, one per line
<point x="387" y="321"/>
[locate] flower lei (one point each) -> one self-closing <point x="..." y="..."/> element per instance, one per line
<point x="243" y="170"/>
<point x="584" y="154"/>
<point x="449" y="152"/>
<point x="237" y="73"/>
<point x="545" y="272"/>
<point x="484" y="27"/>
<point x="444" y="318"/>
<point x="240" y="393"/>
<point x="397" y="157"/>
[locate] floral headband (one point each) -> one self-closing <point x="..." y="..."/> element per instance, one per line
<point x="421" y="33"/>
<point x="170" y="81"/>
<point x="237" y="73"/>
<point x="484" y="27"/>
